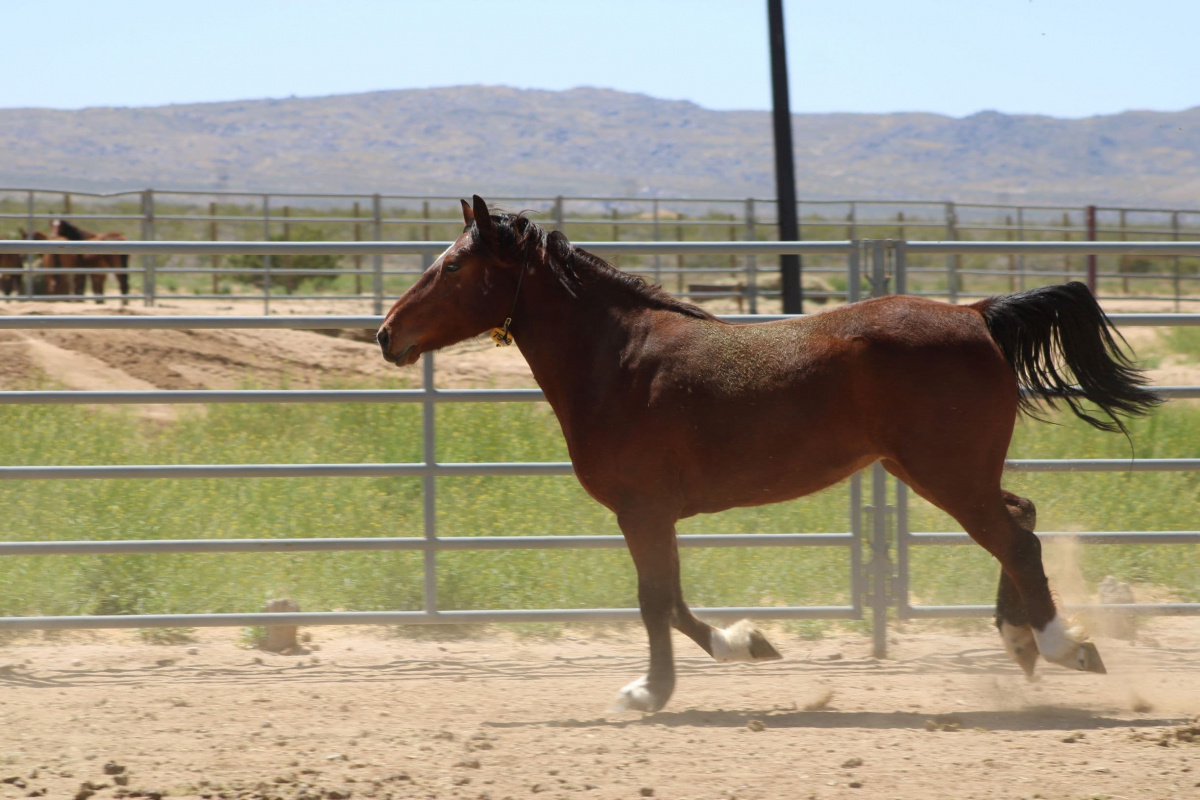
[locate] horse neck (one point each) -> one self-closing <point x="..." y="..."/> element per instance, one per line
<point x="570" y="343"/>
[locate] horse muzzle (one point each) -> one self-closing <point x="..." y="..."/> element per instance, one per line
<point x="404" y="358"/>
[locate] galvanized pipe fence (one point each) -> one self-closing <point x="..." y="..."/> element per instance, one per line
<point x="152" y="211"/>
<point x="875" y="581"/>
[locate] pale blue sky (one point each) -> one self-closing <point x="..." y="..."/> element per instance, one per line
<point x="1069" y="58"/>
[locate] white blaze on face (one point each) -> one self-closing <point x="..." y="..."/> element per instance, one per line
<point x="437" y="262"/>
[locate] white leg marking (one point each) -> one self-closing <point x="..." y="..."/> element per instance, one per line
<point x="734" y="643"/>
<point x="636" y="696"/>
<point x="1060" y="644"/>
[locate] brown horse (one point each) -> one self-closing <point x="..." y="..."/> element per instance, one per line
<point x="98" y="264"/>
<point x="44" y="283"/>
<point x="669" y="412"/>
<point x="11" y="269"/>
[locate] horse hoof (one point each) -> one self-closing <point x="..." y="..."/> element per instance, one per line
<point x="1068" y="648"/>
<point x="1020" y="646"/>
<point x="637" y="696"/>
<point x="742" y="641"/>
<point x="1088" y="658"/>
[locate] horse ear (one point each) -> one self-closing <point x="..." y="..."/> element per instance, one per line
<point x="483" y="218"/>
<point x="468" y="214"/>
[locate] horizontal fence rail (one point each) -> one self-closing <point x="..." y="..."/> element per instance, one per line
<point x="369" y="219"/>
<point x="880" y="265"/>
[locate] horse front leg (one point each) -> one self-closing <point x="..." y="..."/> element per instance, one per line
<point x="660" y="596"/>
<point x="651" y="542"/>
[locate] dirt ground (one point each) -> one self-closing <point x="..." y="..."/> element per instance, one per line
<point x="214" y="359"/>
<point x="368" y="713"/>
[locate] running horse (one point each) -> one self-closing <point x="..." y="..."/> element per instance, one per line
<point x="98" y="264"/>
<point x="669" y="412"/>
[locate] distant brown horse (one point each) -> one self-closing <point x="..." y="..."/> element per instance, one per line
<point x="669" y="412"/>
<point x="44" y="283"/>
<point x="11" y="269"/>
<point x="96" y="264"/>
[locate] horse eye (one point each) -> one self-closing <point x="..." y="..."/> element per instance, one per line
<point x="451" y="267"/>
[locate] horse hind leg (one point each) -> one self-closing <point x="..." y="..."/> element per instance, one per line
<point x="985" y="515"/>
<point x="1012" y="619"/>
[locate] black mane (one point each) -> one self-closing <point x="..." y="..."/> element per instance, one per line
<point x="577" y="268"/>
<point x="68" y="230"/>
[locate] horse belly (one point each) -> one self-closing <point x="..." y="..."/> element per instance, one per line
<point x="768" y="453"/>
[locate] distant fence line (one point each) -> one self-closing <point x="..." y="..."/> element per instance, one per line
<point x="157" y="215"/>
<point x="877" y="542"/>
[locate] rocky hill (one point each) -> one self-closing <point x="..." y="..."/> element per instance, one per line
<point x="499" y="140"/>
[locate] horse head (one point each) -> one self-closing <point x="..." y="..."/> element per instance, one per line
<point x="469" y="289"/>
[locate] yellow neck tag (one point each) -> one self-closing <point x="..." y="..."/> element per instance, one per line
<point x="501" y="337"/>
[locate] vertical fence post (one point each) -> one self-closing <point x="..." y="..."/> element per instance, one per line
<point x="377" y="260"/>
<point x="900" y="266"/>
<point x="853" y="273"/>
<point x="880" y="566"/>
<point x="1066" y="228"/>
<point x="1021" y="257"/>
<point x="953" y="260"/>
<point x="266" y="262"/>
<point x="657" y="237"/>
<point x="149" y="262"/>
<point x="214" y="261"/>
<point x="429" y="483"/>
<point x="900" y="582"/>
<point x="287" y="237"/>
<point x="357" y="257"/>
<point x="1175" y="271"/>
<point x="30" y="277"/>
<point x="852" y="223"/>
<point x="751" y="260"/>
<point x="66" y="204"/>
<point x="426" y="257"/>
<point x="1012" y="259"/>
<point x="679" y="260"/>
<point x="616" y="235"/>
<point x="1091" y="258"/>
<point x="1123" y="261"/>
<point x="857" y="573"/>
<point x="560" y="223"/>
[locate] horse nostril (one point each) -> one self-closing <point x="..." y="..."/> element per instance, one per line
<point x="382" y="337"/>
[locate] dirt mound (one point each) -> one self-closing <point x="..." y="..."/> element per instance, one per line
<point x="227" y="359"/>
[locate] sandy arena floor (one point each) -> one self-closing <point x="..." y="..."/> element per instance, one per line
<point x="367" y="713"/>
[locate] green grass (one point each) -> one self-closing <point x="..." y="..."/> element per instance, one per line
<point x="488" y="506"/>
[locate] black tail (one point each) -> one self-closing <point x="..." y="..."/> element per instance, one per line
<point x="1043" y="331"/>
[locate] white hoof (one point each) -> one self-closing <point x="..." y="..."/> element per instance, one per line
<point x="1068" y="647"/>
<point x="741" y="641"/>
<point x="636" y="697"/>
<point x="1020" y="645"/>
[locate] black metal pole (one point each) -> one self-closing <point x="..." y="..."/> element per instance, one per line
<point x="785" y="168"/>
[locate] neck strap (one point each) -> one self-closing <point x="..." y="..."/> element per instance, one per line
<point x="501" y="336"/>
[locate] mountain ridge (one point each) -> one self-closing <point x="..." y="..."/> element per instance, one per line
<point x="592" y="141"/>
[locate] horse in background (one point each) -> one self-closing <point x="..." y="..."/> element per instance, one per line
<point x="97" y="264"/>
<point x="44" y="283"/>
